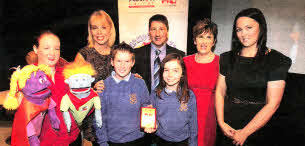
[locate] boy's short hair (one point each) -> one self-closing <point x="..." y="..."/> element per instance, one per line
<point x="122" y="47"/>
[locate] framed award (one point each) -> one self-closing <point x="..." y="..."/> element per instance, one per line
<point x="148" y="117"/>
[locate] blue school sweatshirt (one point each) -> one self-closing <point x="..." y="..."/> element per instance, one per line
<point x="176" y="122"/>
<point x="121" y="103"/>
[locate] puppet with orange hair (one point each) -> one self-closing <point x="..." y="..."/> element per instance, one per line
<point x="32" y="82"/>
<point x="81" y="98"/>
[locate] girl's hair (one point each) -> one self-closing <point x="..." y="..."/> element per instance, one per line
<point x="236" y="45"/>
<point x="100" y="14"/>
<point x="182" y="89"/>
<point x="31" y="57"/>
<point x="41" y="34"/>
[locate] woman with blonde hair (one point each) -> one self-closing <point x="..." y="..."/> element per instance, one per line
<point x="101" y="37"/>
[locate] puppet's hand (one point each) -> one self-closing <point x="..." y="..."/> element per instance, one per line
<point x="67" y="119"/>
<point x="98" y="117"/>
<point x="55" y="122"/>
<point x="34" y="141"/>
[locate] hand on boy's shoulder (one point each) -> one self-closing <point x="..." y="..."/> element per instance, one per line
<point x="99" y="86"/>
<point x="138" y="76"/>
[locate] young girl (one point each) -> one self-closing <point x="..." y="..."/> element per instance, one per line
<point x="175" y="104"/>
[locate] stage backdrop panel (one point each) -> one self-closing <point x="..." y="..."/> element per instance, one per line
<point x="134" y="20"/>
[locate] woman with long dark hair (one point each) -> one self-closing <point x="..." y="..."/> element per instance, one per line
<point x="251" y="82"/>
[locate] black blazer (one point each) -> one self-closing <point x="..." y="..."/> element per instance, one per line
<point x="142" y="64"/>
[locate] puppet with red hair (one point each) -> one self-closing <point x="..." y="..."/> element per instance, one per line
<point x="81" y="99"/>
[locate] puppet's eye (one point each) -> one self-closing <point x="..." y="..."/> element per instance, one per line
<point x="41" y="80"/>
<point x="45" y="78"/>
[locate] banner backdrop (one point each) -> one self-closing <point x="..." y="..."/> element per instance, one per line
<point x="134" y="20"/>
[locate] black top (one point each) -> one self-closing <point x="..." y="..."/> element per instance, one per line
<point x="101" y="63"/>
<point x="247" y="80"/>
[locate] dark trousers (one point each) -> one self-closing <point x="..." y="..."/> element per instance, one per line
<point x="148" y="139"/>
<point x="137" y="142"/>
<point x="77" y="142"/>
<point x="94" y="143"/>
<point x="161" y="142"/>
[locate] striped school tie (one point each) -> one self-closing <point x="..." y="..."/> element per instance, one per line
<point x="156" y="69"/>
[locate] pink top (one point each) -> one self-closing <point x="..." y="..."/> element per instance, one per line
<point x="35" y="125"/>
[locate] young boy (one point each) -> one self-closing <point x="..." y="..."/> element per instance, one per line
<point x="121" y="101"/>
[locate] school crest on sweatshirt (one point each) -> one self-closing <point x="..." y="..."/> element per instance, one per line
<point x="133" y="98"/>
<point x="183" y="106"/>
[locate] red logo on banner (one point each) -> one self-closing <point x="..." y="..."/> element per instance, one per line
<point x="169" y="1"/>
<point x="151" y="3"/>
<point x="141" y="4"/>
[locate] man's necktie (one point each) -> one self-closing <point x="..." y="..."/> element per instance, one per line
<point x="156" y="69"/>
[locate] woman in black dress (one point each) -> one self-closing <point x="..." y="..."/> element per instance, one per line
<point x="250" y="84"/>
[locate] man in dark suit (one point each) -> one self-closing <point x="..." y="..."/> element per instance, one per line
<point x="145" y="56"/>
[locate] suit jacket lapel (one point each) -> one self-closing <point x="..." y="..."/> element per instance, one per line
<point x="148" y="53"/>
<point x="168" y="49"/>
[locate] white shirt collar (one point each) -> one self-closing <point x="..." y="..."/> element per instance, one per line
<point x="168" y="90"/>
<point x="154" y="47"/>
<point x="119" y="80"/>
